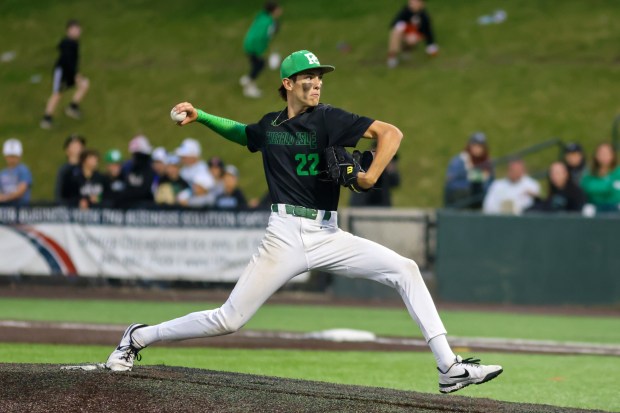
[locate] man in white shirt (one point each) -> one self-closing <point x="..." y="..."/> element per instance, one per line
<point x="513" y="194"/>
<point x="193" y="166"/>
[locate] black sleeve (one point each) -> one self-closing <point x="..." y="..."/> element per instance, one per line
<point x="426" y="28"/>
<point x="256" y="137"/>
<point x="402" y="16"/>
<point x="60" y="181"/>
<point x="241" y="201"/>
<point x="345" y="128"/>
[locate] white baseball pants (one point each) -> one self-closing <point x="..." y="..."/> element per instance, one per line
<point x="293" y="245"/>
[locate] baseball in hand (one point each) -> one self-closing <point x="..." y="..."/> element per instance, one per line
<point x="176" y="116"/>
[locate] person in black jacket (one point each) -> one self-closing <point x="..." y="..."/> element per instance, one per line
<point x="564" y="195"/>
<point x="84" y="188"/>
<point x="138" y="175"/>
<point x="73" y="146"/>
<point x="66" y="75"/>
<point x="410" y="26"/>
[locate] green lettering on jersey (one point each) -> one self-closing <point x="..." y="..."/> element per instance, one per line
<point x="286" y="138"/>
<point x="280" y="138"/>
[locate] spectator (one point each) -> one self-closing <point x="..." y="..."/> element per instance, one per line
<point x="469" y="174"/>
<point x="138" y="175"/>
<point x="232" y="197"/>
<point x="197" y="196"/>
<point x="85" y="188"/>
<point x="255" y="44"/>
<point x="192" y="166"/>
<point x="602" y="183"/>
<point x="15" y="179"/>
<point x="410" y="26"/>
<point x="114" y="182"/>
<point x="158" y="163"/>
<point x="381" y="195"/>
<point x="73" y="146"/>
<point x="67" y="75"/>
<point x="171" y="184"/>
<point x="216" y="169"/>
<point x="564" y="194"/>
<point x="513" y="194"/>
<point x="575" y="161"/>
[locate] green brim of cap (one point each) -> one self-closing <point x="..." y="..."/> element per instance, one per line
<point x="323" y="68"/>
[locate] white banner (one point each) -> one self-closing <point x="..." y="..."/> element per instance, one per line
<point x="153" y="245"/>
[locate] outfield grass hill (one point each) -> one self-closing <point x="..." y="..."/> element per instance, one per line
<point x="550" y="70"/>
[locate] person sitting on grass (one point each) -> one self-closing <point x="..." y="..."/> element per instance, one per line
<point x="410" y="26"/>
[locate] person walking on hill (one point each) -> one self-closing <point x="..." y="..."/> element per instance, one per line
<point x="67" y="75"/>
<point x="302" y="233"/>
<point x="255" y="44"/>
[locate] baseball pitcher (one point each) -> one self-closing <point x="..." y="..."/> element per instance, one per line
<point x="305" y="165"/>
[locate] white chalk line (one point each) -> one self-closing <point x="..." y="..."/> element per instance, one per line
<point x="481" y="343"/>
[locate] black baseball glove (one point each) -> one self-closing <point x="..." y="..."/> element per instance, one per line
<point x="343" y="167"/>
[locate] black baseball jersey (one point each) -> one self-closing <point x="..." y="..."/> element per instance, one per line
<point x="293" y="152"/>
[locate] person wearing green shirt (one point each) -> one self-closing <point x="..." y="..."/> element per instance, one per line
<point x="602" y="183"/>
<point x="255" y="45"/>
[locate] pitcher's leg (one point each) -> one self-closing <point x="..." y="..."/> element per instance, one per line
<point x="271" y="267"/>
<point x="357" y="257"/>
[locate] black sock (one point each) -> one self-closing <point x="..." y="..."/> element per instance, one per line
<point x="47" y="117"/>
<point x="74" y="106"/>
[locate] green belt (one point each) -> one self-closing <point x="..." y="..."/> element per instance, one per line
<point x="299" y="211"/>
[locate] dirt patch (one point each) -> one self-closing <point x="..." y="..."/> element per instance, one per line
<point x="47" y="388"/>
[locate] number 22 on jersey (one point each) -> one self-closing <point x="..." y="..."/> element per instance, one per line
<point x="307" y="164"/>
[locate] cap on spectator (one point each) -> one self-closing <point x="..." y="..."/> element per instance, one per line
<point x="189" y="147"/>
<point x="12" y="147"/>
<point x="140" y="144"/>
<point x="215" y="161"/>
<point x="478" y="137"/>
<point x="159" y="154"/>
<point x="203" y="181"/>
<point x="232" y="170"/>
<point x="172" y="159"/>
<point x="113" y="156"/>
<point x="73" y="138"/>
<point x="572" y="147"/>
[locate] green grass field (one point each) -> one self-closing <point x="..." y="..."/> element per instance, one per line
<point x="550" y="70"/>
<point x="381" y="321"/>
<point x="577" y="381"/>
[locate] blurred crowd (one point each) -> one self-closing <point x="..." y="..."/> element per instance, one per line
<point x="571" y="184"/>
<point x="147" y="177"/>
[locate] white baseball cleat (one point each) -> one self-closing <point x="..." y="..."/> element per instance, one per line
<point x="127" y="351"/>
<point x="465" y="372"/>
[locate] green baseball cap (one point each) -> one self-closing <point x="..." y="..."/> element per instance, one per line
<point x="299" y="61"/>
<point x="113" y="156"/>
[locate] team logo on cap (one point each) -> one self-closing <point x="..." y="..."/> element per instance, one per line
<point x="312" y="59"/>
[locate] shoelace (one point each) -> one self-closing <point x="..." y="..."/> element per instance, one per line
<point x="470" y="360"/>
<point x="131" y="352"/>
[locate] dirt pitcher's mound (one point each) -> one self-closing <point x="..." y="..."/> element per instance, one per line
<point x="47" y="388"/>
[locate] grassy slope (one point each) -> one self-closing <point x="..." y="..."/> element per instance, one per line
<point x="550" y="70"/>
<point x="557" y="380"/>
<point x="394" y="322"/>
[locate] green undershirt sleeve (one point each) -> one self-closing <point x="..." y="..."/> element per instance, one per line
<point x="229" y="129"/>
